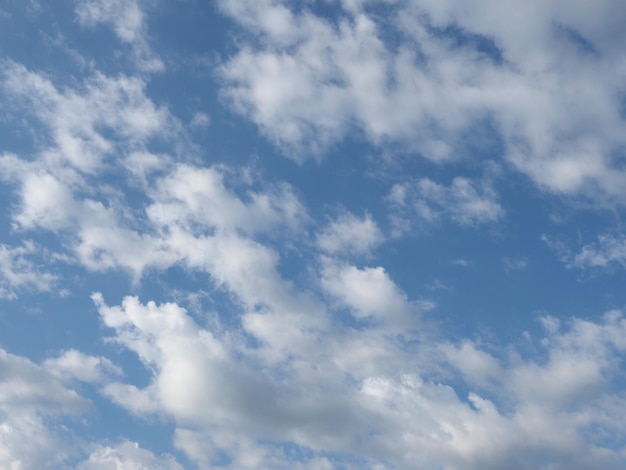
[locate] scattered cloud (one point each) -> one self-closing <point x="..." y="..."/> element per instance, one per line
<point x="200" y="121"/>
<point x="18" y="272"/>
<point x="464" y="202"/>
<point x="608" y="251"/>
<point x="79" y="121"/>
<point x="195" y="370"/>
<point x="127" y="455"/>
<point x="303" y="347"/>
<point x="127" y="19"/>
<point x="34" y="400"/>
<point x="369" y="293"/>
<point x="350" y="234"/>
<point x="428" y="74"/>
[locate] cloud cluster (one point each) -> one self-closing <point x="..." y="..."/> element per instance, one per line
<point x="343" y="370"/>
<point x="606" y="253"/>
<point x="360" y="396"/>
<point x="544" y="79"/>
<point x="127" y="455"/>
<point x="35" y="401"/>
<point x="18" y="272"/>
<point x="126" y="18"/>
<point x="465" y="202"/>
<point x="608" y="250"/>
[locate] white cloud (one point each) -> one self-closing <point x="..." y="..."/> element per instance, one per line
<point x="370" y="293"/>
<point x="89" y="128"/>
<point x="78" y="120"/>
<point x="127" y="19"/>
<point x="199" y="196"/>
<point x="74" y="365"/>
<point x="543" y="74"/>
<point x="291" y="369"/>
<point x="383" y="410"/>
<point x="465" y="202"/>
<point x="35" y="401"/>
<point x="349" y="374"/>
<point x="18" y="272"/>
<point x="45" y="202"/>
<point x="350" y="234"/>
<point x="478" y="366"/>
<point x="127" y="456"/>
<point x="608" y="250"/>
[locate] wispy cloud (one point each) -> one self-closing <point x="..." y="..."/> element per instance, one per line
<point x="20" y="272"/>
<point x="126" y="19"/>
<point x="464" y="202"/>
<point x="607" y="252"/>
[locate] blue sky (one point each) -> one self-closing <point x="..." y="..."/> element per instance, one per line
<point x="318" y="234"/>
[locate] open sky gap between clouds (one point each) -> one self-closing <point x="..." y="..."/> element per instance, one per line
<point x="325" y="234"/>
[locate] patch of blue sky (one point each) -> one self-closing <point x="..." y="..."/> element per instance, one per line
<point x="459" y="38"/>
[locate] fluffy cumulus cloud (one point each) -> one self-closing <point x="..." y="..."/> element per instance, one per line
<point x="350" y="234"/>
<point x="539" y="413"/>
<point x="546" y="78"/>
<point x="36" y="402"/>
<point x="253" y="315"/>
<point x="78" y="120"/>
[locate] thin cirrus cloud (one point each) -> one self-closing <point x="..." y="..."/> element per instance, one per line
<point x="237" y="310"/>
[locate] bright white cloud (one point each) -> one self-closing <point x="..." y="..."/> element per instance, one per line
<point x="607" y="252"/>
<point x="34" y="399"/>
<point x="198" y="196"/>
<point x="74" y="365"/>
<point x="544" y="75"/>
<point x="542" y="411"/>
<point x="350" y="234"/>
<point x="369" y="292"/>
<point x="78" y="120"/>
